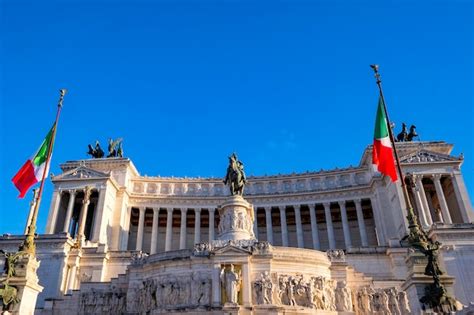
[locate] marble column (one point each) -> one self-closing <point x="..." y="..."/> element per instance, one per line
<point x="284" y="227"/>
<point x="182" y="230"/>
<point x="255" y="223"/>
<point x="361" y="222"/>
<point x="345" y="224"/>
<point x="462" y="197"/>
<point x="442" y="200"/>
<point x="424" y="201"/>
<point x="83" y="216"/>
<point x="71" y="281"/>
<point x="169" y="228"/>
<point x="154" y="231"/>
<point x="419" y="206"/>
<point x="197" y="226"/>
<point x="141" y="226"/>
<point x="268" y="223"/>
<point x="299" y="227"/>
<point x="70" y="207"/>
<point x="314" y="227"/>
<point x="53" y="212"/>
<point x="246" y="286"/>
<point x="216" y="283"/>
<point x="211" y="224"/>
<point x="379" y="222"/>
<point x="329" y="226"/>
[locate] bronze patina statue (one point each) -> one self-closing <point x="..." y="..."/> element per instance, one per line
<point x="402" y="136"/>
<point x="235" y="176"/>
<point x="412" y="133"/>
<point x="115" y="148"/>
<point x="96" y="152"/>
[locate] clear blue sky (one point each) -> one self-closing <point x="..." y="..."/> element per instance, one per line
<point x="287" y="85"/>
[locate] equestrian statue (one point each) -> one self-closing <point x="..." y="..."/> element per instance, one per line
<point x="235" y="176"/>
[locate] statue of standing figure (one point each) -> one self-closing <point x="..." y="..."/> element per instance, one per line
<point x="235" y="176"/>
<point x="230" y="280"/>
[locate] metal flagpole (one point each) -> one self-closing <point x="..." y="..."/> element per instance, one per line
<point x="416" y="234"/>
<point x="28" y="245"/>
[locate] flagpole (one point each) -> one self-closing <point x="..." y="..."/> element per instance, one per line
<point x="416" y="234"/>
<point x="28" y="245"/>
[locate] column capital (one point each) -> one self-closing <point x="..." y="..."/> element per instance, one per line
<point x="142" y="209"/>
<point x="436" y="177"/>
<point x="311" y="206"/>
<point x="211" y="210"/>
<point x="282" y="208"/>
<point x="184" y="210"/>
<point x="155" y="210"/>
<point x="342" y="203"/>
<point x="72" y="191"/>
<point x="169" y="210"/>
<point x="358" y="201"/>
<point x="326" y="204"/>
<point x="197" y="210"/>
<point x="417" y="177"/>
<point x="297" y="207"/>
<point x="267" y="208"/>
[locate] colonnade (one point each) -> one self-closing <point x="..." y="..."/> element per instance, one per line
<point x="268" y="227"/>
<point x="423" y="203"/>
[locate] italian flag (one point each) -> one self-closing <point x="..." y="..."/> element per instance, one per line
<point x="32" y="171"/>
<point x="382" y="154"/>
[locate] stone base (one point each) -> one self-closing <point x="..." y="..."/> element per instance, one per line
<point x="236" y="221"/>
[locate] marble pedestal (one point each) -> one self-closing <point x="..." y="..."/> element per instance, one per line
<point x="236" y="221"/>
<point x="25" y="281"/>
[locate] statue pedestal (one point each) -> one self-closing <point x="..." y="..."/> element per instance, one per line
<point x="417" y="281"/>
<point x="236" y="220"/>
<point x="25" y="281"/>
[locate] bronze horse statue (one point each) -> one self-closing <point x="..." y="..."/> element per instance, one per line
<point x="235" y="176"/>
<point x="412" y="133"/>
<point x="402" y="136"/>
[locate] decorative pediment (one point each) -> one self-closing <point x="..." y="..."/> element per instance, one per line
<point x="231" y="250"/>
<point x="81" y="172"/>
<point x="424" y="156"/>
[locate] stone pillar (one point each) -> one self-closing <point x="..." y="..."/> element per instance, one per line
<point x="255" y="223"/>
<point x="314" y="227"/>
<point x="360" y="220"/>
<point x="83" y="216"/>
<point x="268" y="223"/>
<point x="329" y="226"/>
<point x="246" y="286"/>
<point x="284" y="227"/>
<point x="442" y="200"/>
<point x="53" y="212"/>
<point x="197" y="226"/>
<point x="216" y="284"/>
<point x="345" y="224"/>
<point x="462" y="197"/>
<point x="299" y="227"/>
<point x="126" y="230"/>
<point x="154" y="231"/>
<point x="419" y="206"/>
<point x="71" y="281"/>
<point x="211" y="224"/>
<point x="70" y="207"/>
<point x="169" y="228"/>
<point x="141" y="226"/>
<point x="182" y="230"/>
<point x="424" y="201"/>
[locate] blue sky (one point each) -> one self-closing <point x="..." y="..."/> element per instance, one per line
<point x="287" y="84"/>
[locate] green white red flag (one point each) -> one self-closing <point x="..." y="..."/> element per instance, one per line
<point x="32" y="171"/>
<point x="382" y="153"/>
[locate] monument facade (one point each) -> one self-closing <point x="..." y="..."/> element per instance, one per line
<point x="325" y="242"/>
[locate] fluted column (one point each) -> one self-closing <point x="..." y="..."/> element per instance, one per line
<point x="182" y="231"/>
<point x="154" y="231"/>
<point x="141" y="226"/>
<point x="329" y="226"/>
<point x="70" y="207"/>
<point x="83" y="216"/>
<point x="345" y="224"/>
<point x="361" y="221"/>
<point x="53" y="212"/>
<point x="299" y="227"/>
<point x="255" y="223"/>
<point x="421" y="189"/>
<point x="419" y="206"/>
<point x="268" y="223"/>
<point x="462" y="197"/>
<point x="284" y="227"/>
<point x="442" y="200"/>
<point x="211" y="224"/>
<point x="314" y="227"/>
<point x="169" y="228"/>
<point x="197" y="226"/>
